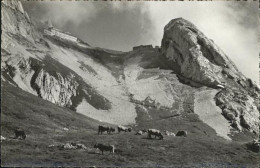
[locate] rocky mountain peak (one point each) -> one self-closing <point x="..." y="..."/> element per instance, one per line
<point x="14" y="4"/>
<point x="196" y="56"/>
<point x="198" y="59"/>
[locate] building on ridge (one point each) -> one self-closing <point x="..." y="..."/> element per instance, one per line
<point x="141" y="47"/>
<point x="54" y="32"/>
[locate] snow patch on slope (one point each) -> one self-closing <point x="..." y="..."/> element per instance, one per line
<point x="210" y="114"/>
<point x="119" y="114"/>
<point x="158" y="89"/>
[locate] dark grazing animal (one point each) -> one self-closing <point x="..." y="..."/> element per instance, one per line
<point x="102" y="128"/>
<point x="182" y="133"/>
<point x="111" y="129"/>
<point x="123" y="129"/>
<point x="102" y="148"/>
<point x="154" y="132"/>
<point x="19" y="133"/>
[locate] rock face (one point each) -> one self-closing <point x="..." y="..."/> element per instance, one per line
<point x="53" y="87"/>
<point x="58" y="90"/>
<point x="197" y="58"/>
<point x="239" y="108"/>
<point x="17" y="20"/>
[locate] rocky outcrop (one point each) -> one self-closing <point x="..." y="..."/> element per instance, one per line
<point x="198" y="59"/>
<point x="53" y="87"/>
<point x="14" y="4"/>
<point x="239" y="108"/>
<point x="16" y="20"/>
<point x="196" y="56"/>
<point x="57" y="90"/>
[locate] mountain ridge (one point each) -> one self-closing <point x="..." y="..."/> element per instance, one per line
<point x="79" y="77"/>
<point x="60" y="92"/>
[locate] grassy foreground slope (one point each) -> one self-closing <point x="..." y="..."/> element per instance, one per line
<point x="43" y="123"/>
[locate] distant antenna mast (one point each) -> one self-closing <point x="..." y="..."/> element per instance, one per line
<point x="50" y="24"/>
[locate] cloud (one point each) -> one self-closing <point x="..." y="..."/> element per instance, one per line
<point x="62" y="12"/>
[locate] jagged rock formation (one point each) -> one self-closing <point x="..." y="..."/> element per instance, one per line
<point x="52" y="87"/>
<point x="197" y="58"/>
<point x="59" y="91"/>
<point x="17" y="21"/>
<point x="240" y="108"/>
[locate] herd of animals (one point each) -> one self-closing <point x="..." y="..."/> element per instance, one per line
<point x="150" y="132"/>
<point x="20" y="134"/>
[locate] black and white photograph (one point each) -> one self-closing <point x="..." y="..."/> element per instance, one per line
<point x="130" y="83"/>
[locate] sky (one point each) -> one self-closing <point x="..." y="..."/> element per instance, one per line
<point x="116" y="25"/>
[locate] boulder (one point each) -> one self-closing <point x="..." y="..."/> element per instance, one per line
<point x="71" y="145"/>
<point x="230" y="116"/>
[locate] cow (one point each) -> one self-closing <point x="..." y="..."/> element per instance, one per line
<point x="124" y="129"/>
<point x="182" y="133"/>
<point x="111" y="129"/>
<point x="19" y="133"/>
<point x="102" y="128"/>
<point x="169" y="133"/>
<point x="141" y="132"/>
<point x="102" y="148"/>
<point x="154" y="132"/>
